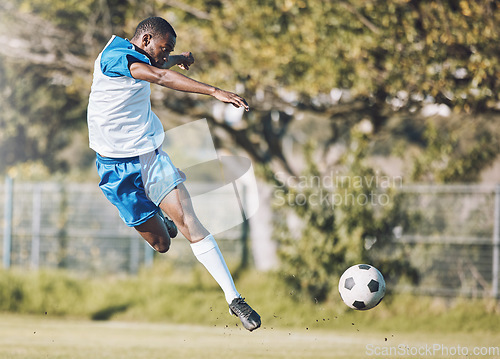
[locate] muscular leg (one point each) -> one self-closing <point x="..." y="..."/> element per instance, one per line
<point x="155" y="232"/>
<point x="177" y="205"/>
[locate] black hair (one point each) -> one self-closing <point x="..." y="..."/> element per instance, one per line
<point x="155" y="26"/>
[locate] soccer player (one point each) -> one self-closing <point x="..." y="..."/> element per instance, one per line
<point x="136" y="175"/>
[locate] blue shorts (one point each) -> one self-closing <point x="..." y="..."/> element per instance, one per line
<point x="137" y="185"/>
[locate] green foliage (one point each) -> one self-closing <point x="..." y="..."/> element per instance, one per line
<point x="45" y="77"/>
<point x="388" y="57"/>
<point x="41" y="292"/>
<point x="308" y="262"/>
<point x="167" y="296"/>
<point x="355" y="219"/>
<point x="415" y="52"/>
<point x="456" y="153"/>
<point x="34" y="114"/>
<point x="443" y="49"/>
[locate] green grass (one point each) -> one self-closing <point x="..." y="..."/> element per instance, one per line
<point x="33" y="337"/>
<point x="164" y="295"/>
<point x="167" y="313"/>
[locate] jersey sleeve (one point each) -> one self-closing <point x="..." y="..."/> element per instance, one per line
<point x="116" y="60"/>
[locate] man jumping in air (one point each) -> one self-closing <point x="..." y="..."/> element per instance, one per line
<point x="136" y="175"/>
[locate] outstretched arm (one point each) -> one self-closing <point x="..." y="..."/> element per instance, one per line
<point x="179" y="82"/>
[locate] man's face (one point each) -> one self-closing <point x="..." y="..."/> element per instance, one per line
<point x="159" y="48"/>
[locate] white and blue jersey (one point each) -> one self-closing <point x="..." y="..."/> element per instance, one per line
<point x="135" y="173"/>
<point x="119" y="116"/>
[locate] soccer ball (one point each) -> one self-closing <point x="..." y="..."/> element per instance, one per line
<point x="362" y="287"/>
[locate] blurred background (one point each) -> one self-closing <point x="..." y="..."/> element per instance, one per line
<point x="374" y="135"/>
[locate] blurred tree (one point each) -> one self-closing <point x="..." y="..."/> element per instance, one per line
<point x="347" y="59"/>
<point x="456" y="150"/>
<point x="407" y="51"/>
<point x="35" y="119"/>
<point x="345" y="217"/>
<point x="311" y="69"/>
<point x="43" y="77"/>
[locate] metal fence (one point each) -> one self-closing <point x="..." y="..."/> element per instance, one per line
<point x="73" y="226"/>
<point x="454" y="242"/>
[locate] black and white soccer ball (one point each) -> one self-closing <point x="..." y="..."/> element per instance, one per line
<point x="362" y="287"/>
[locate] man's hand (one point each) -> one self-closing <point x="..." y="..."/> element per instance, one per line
<point x="185" y="60"/>
<point x="232" y="98"/>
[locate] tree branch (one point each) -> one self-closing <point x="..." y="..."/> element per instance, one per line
<point x="370" y="25"/>
<point x="200" y="14"/>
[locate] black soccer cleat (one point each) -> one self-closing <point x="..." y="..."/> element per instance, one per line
<point x="249" y="317"/>
<point x="171" y="227"/>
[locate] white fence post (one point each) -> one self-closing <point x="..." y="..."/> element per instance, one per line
<point x="36" y="226"/>
<point x="134" y="254"/>
<point x="148" y="255"/>
<point x="496" y="243"/>
<point x="7" y="229"/>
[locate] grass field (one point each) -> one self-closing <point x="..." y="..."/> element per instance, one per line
<point x="45" y="337"/>
<point x="161" y="313"/>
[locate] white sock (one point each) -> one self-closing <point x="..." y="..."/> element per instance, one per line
<point x="208" y="253"/>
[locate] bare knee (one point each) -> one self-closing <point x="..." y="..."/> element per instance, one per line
<point x="162" y="249"/>
<point x="159" y="243"/>
<point x="162" y="245"/>
<point x="155" y="233"/>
